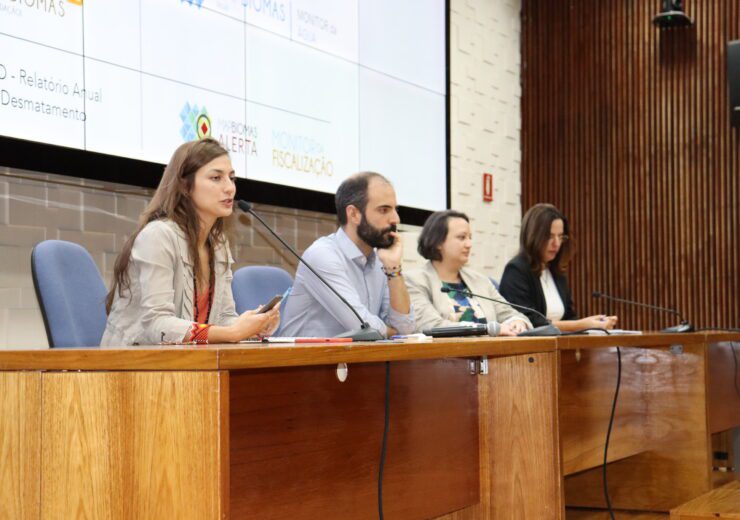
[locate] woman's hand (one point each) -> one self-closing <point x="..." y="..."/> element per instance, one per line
<point x="512" y="328"/>
<point x="251" y="323"/>
<point x="272" y="323"/>
<point x="517" y="326"/>
<point x="599" y="321"/>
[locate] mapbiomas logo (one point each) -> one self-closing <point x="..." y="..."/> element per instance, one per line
<point x="50" y="7"/>
<point x="195" y="122"/>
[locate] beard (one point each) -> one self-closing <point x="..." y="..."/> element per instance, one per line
<point x="375" y="237"/>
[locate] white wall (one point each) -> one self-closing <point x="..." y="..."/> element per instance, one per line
<point x="485" y="123"/>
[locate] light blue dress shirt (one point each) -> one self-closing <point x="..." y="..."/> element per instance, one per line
<point x="313" y="310"/>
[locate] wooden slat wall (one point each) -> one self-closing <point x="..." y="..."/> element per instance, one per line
<point x="626" y="129"/>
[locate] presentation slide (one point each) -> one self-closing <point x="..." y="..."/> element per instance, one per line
<point x="300" y="92"/>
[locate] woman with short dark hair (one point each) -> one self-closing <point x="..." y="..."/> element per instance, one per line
<point x="445" y="241"/>
<point x="536" y="276"/>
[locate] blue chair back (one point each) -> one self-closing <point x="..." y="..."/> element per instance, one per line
<point x="255" y="285"/>
<point x="71" y="294"/>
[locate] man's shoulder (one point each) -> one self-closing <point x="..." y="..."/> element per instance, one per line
<point x="323" y="251"/>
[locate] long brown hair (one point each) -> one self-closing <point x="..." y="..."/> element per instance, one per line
<point x="535" y="233"/>
<point x="173" y="201"/>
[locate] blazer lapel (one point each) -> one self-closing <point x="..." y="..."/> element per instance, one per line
<point x="186" y="307"/>
<point x="222" y="262"/>
<point x="440" y="300"/>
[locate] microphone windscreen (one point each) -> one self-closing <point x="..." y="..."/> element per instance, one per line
<point x="445" y="289"/>
<point x="494" y="328"/>
<point x="596" y="294"/>
<point x="244" y="205"/>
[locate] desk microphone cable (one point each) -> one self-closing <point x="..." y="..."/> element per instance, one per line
<point x="384" y="446"/>
<point x="609" y="431"/>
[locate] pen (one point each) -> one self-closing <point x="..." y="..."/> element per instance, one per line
<point x="323" y="340"/>
<point x="409" y="336"/>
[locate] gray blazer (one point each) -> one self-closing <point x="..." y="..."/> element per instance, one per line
<point x="433" y="308"/>
<point x="159" y="305"/>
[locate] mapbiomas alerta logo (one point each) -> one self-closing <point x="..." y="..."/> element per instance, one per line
<point x="50" y="7"/>
<point x="195" y="122"/>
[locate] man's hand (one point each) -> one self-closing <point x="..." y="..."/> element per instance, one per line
<point x="391" y="257"/>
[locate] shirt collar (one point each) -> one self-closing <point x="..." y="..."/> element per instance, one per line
<point x="351" y="251"/>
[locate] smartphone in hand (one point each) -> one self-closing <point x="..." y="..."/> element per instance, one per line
<point x="269" y="305"/>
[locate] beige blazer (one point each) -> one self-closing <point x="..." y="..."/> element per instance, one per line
<point x="159" y="305"/>
<point x="433" y="308"/>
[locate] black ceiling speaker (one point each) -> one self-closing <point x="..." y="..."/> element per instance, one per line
<point x="733" y="79"/>
<point x="672" y="15"/>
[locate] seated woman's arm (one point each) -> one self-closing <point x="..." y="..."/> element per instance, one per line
<point x="154" y="253"/>
<point x="515" y="289"/>
<point x="598" y="321"/>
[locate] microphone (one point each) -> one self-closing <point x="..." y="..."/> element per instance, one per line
<point x="365" y="332"/>
<point x="545" y="330"/>
<point x="492" y="328"/>
<point x="684" y="326"/>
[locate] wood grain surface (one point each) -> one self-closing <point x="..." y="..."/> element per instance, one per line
<point x="20" y="443"/>
<point x="594" y="514"/>
<point x="304" y="445"/>
<point x="520" y="456"/>
<point x="469" y="513"/>
<point x="723" y="502"/>
<point x="646" y="339"/>
<point x="183" y="357"/>
<point x="588" y="380"/>
<point x="131" y="445"/>
<point x="676" y="462"/>
<point x="724" y="385"/>
<point x="241" y="356"/>
<point x="302" y="355"/>
<point x="626" y="128"/>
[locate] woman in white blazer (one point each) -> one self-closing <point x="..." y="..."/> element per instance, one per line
<point x="172" y="280"/>
<point x="445" y="241"/>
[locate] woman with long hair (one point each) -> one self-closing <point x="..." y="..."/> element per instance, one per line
<point x="172" y="280"/>
<point x="536" y="276"/>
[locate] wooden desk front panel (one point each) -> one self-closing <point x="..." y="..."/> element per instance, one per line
<point x="20" y="444"/>
<point x="724" y="385"/>
<point x="520" y="456"/>
<point x="125" y="445"/>
<point x="588" y="379"/>
<point x="304" y="445"/>
<point x="671" y="460"/>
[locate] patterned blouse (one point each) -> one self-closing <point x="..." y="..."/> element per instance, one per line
<point x="466" y="309"/>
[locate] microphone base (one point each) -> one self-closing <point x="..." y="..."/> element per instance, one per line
<point x="362" y="334"/>
<point x="545" y="330"/>
<point x="677" y="329"/>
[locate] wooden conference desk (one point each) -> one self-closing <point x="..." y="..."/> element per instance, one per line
<point x="676" y="391"/>
<point x="270" y="432"/>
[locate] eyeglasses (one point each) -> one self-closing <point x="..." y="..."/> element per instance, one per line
<point x="560" y="238"/>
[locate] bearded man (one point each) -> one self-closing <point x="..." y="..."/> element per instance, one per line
<point x="362" y="261"/>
